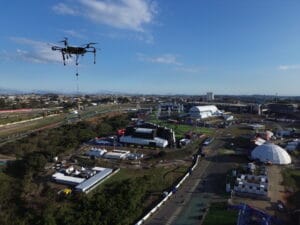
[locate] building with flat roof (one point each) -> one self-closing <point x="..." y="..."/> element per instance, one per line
<point x="96" y="152"/>
<point x="210" y="96"/>
<point x="69" y="180"/>
<point x="82" y="182"/>
<point x="155" y="142"/>
<point x="116" y="154"/>
<point x="93" y="181"/>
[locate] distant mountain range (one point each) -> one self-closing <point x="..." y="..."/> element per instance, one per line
<point x="7" y="91"/>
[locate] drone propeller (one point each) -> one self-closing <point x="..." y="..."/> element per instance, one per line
<point x="65" y="41"/>
<point x="88" y="45"/>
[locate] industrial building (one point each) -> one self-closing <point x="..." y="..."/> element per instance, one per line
<point x="116" y="154"/>
<point x="282" y="108"/>
<point x="203" y="112"/>
<point x="271" y="153"/>
<point x="293" y="145"/>
<point x="135" y="156"/>
<point x="69" y="180"/>
<point x="155" y="142"/>
<point x="96" y="152"/>
<point x="210" y="96"/>
<point x="82" y="182"/>
<point x="169" y="106"/>
<point x="143" y="136"/>
<point x="108" y="141"/>
<point x="93" y="181"/>
<point x="161" y="132"/>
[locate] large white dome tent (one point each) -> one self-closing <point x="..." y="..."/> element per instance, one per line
<point x="269" y="152"/>
<point x="204" y="111"/>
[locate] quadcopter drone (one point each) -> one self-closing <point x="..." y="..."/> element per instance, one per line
<point x="68" y="51"/>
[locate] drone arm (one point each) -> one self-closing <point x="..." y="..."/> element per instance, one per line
<point x="56" y="48"/>
<point x="93" y="50"/>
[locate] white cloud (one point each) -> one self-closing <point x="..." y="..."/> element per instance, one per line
<point x="34" y="51"/>
<point x="170" y="59"/>
<point x="77" y="34"/>
<point x="289" y="67"/>
<point x="123" y="14"/>
<point x="64" y="9"/>
<point x="162" y="59"/>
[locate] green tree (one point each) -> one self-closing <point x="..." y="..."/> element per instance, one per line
<point x="104" y="129"/>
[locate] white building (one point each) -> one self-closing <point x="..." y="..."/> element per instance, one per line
<point x="156" y="142"/>
<point x="259" y="141"/>
<point x="63" y="179"/>
<point x="96" y="152"/>
<point x="206" y="111"/>
<point x="116" y="154"/>
<point x="92" y="182"/>
<point x="97" y="175"/>
<point x="210" y="96"/>
<point x="251" y="184"/>
<point x="293" y="145"/>
<point x="269" y="152"/>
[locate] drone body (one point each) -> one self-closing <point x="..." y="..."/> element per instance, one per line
<point x="68" y="51"/>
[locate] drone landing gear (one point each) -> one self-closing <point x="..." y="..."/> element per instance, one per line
<point x="64" y="58"/>
<point x="77" y="57"/>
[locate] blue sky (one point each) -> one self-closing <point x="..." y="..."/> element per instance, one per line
<point x="154" y="47"/>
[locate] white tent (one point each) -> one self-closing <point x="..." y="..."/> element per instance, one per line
<point x="205" y="111"/>
<point x="269" y="134"/>
<point x="269" y="152"/>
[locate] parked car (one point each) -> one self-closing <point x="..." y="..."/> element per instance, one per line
<point x="280" y="206"/>
<point x="208" y="141"/>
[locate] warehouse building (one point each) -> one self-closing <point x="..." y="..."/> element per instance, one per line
<point x="96" y="152"/>
<point x="69" y="180"/>
<point x="82" y="182"/>
<point x="94" y="181"/>
<point x="282" y="108"/>
<point x="143" y="137"/>
<point x="116" y="154"/>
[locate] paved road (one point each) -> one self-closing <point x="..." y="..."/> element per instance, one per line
<point x="169" y="213"/>
<point x="172" y="208"/>
<point x="205" y="185"/>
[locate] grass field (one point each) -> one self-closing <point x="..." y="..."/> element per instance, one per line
<point x="163" y="177"/>
<point x="291" y="178"/>
<point x="181" y="129"/>
<point x="224" y="151"/>
<point x="17" y="117"/>
<point x="219" y="214"/>
<point x="31" y="125"/>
